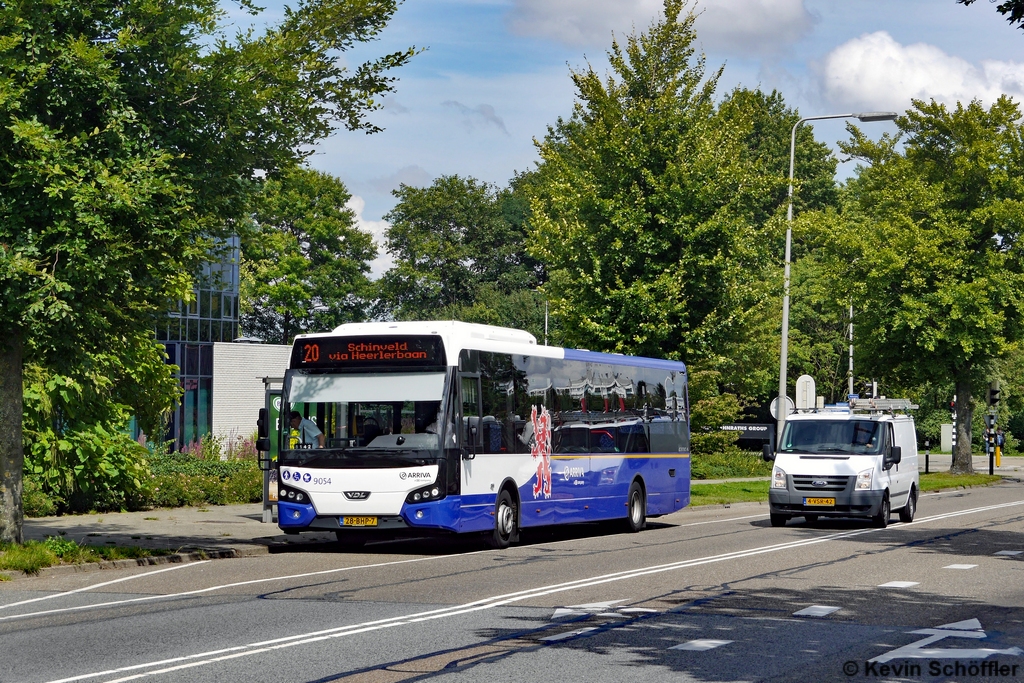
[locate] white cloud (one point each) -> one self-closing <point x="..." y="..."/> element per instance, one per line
<point x="755" y="27"/>
<point x="876" y="72"/>
<point x="746" y="26"/>
<point x="481" y="113"/>
<point x="378" y="230"/>
<point x="414" y="176"/>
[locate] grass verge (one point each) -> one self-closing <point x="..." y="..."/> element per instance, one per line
<point x="757" y="491"/>
<point x="32" y="556"/>
<point x="944" y="480"/>
<point x="728" y="492"/>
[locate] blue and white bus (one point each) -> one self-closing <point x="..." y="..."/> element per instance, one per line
<point x="452" y="427"/>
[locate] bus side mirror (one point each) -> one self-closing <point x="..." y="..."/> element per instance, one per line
<point x="263" y="427"/>
<point x="767" y="453"/>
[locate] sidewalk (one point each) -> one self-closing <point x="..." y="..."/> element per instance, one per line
<point x="1010" y="466"/>
<point x="212" y="528"/>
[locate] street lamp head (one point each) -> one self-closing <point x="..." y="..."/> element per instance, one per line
<point x="872" y="116"/>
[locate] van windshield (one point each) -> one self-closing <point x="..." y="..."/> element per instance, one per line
<point x="852" y="437"/>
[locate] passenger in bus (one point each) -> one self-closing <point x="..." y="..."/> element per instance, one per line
<point x="309" y="433"/>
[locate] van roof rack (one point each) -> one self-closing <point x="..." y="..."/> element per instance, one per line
<point x="881" y="404"/>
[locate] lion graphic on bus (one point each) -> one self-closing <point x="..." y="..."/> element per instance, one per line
<point x="541" y="450"/>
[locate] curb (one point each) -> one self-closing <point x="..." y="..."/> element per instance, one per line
<point x="177" y="558"/>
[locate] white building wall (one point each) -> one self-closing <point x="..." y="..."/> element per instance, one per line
<point x="238" y="391"/>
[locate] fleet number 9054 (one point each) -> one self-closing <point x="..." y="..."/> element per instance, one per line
<point x="321" y="481"/>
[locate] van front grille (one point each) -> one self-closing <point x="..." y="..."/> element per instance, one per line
<point x="832" y="483"/>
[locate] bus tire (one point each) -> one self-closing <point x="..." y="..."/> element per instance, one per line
<point x="506" y="517"/>
<point x="636" y="508"/>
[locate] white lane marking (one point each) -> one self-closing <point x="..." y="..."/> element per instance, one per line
<point x="478" y="605"/>
<point x="898" y="584"/>
<point x="105" y="583"/>
<point x="638" y="610"/>
<point x="198" y="591"/>
<point x="816" y="611"/>
<point x="960" y="566"/>
<point x="225" y="586"/>
<point x="1009" y="552"/>
<point x="700" y="645"/>
<point x="728" y="519"/>
<point x="568" y="634"/>
<point x="969" y="628"/>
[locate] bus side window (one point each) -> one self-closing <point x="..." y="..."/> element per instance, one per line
<point x="471" y="413"/>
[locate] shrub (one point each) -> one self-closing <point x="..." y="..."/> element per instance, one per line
<point x="36" y="501"/>
<point x="728" y="465"/>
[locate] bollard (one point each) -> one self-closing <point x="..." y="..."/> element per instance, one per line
<point x="926" y="453"/>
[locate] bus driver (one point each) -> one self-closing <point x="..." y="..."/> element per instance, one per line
<point x="309" y="433"/>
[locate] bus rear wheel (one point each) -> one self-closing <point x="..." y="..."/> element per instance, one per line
<point x="636" y="508"/>
<point x="504" y="521"/>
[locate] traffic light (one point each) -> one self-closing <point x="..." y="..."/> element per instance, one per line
<point x="993" y="394"/>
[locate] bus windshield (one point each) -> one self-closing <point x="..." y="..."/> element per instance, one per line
<point x="367" y="416"/>
<point x="852" y="437"/>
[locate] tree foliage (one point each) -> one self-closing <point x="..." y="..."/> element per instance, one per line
<point x="305" y="263"/>
<point x="927" y="243"/>
<point x="657" y="212"/>
<point x="130" y="132"/>
<point x="449" y="240"/>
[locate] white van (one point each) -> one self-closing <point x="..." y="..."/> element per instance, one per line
<point x="846" y="462"/>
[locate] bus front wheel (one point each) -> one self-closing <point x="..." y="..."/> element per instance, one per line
<point x="504" y="521"/>
<point x="636" y="507"/>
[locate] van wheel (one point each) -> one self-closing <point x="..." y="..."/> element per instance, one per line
<point x="811" y="519"/>
<point x="504" y="521"/>
<point x="778" y="520"/>
<point x="910" y="509"/>
<point x="881" y="520"/>
<point x="636" y="517"/>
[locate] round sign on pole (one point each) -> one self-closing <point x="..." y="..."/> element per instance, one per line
<point x="790" y="407"/>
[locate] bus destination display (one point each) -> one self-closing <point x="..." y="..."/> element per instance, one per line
<point x="354" y="352"/>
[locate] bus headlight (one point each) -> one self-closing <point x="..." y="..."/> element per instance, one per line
<point x="864" y="480"/>
<point x="428" y="493"/>
<point x="778" y="478"/>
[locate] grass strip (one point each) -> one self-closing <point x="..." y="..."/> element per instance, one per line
<point x="944" y="480"/>
<point x="728" y="492"/>
<point x="32" y="556"/>
<point x="757" y="491"/>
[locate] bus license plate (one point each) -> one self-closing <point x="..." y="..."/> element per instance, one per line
<point x="820" y="501"/>
<point x="359" y="521"/>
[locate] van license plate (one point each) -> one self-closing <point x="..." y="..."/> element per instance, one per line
<point x="359" y="521"/>
<point x="820" y="501"/>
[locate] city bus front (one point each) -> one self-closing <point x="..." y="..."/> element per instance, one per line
<point x="364" y="434"/>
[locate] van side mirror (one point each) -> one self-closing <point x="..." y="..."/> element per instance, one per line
<point x="263" y="426"/>
<point x="767" y="452"/>
<point x="893" y="456"/>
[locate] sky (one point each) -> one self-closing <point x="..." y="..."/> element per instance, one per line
<point x="494" y="74"/>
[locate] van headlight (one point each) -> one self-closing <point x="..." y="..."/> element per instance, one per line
<point x="778" y="478"/>
<point x="864" y="480"/>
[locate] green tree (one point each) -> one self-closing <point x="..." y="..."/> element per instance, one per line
<point x="926" y="244"/>
<point x="305" y="265"/>
<point x="449" y="240"/>
<point x="129" y="133"/>
<point x="657" y="212"/>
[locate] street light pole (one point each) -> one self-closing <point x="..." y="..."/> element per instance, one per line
<point x="865" y="117"/>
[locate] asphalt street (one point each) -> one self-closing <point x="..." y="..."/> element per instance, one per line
<point x="703" y="595"/>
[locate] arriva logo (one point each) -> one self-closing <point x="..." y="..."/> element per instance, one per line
<point x="415" y="475"/>
<point x="571" y="473"/>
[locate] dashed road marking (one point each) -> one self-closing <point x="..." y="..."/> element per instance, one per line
<point x="1009" y="552"/>
<point x="816" y="611"/>
<point x="899" y="584"/>
<point x="960" y="566"/>
<point x="568" y="634"/>
<point x="700" y="645"/>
